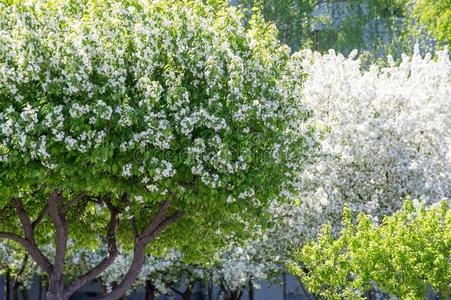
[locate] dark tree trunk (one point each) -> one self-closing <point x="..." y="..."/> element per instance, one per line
<point x="159" y="223"/>
<point x="25" y="293"/>
<point x="235" y="295"/>
<point x="231" y="295"/>
<point x="150" y="291"/>
<point x="187" y="294"/>
<point x="7" y="284"/>
<point x="15" y="292"/>
<point x="104" y="287"/>
<point x="58" y="218"/>
<point x="17" y="279"/>
<point x="114" y="285"/>
<point x="41" y="288"/>
<point x="251" y="290"/>
<point x="56" y="209"/>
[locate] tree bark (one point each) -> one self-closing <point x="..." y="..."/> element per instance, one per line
<point x="56" y="210"/>
<point x="17" y="280"/>
<point x="159" y="223"/>
<point x="236" y="295"/>
<point x="7" y="284"/>
<point x="251" y="290"/>
<point x="58" y="219"/>
<point x="150" y="291"/>
<point x="25" y="293"/>
<point x="40" y="288"/>
<point x="187" y="294"/>
<point x="107" y="261"/>
<point x="15" y="292"/>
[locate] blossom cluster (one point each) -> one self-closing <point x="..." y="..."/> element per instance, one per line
<point x="157" y="94"/>
<point x="387" y="135"/>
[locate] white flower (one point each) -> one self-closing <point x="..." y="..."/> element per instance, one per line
<point x="126" y="170"/>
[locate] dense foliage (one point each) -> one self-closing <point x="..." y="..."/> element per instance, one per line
<point x="142" y="112"/>
<point x="435" y="15"/>
<point x="407" y="256"/>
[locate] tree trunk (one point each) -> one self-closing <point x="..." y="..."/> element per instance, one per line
<point x="7" y="284"/>
<point x="150" y="291"/>
<point x="114" y="286"/>
<point x="160" y="222"/>
<point x="56" y="289"/>
<point x="104" y="287"/>
<point x="187" y="294"/>
<point x="15" y="292"/>
<point x="17" y="279"/>
<point x="41" y="291"/>
<point x="251" y="290"/>
<point x="25" y="293"/>
<point x="56" y="209"/>
<point x="236" y="295"/>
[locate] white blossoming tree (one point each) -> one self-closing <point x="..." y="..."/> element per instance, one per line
<point x="158" y="275"/>
<point x="122" y="118"/>
<point x="387" y="135"/>
<point x="241" y="268"/>
<point x="17" y="269"/>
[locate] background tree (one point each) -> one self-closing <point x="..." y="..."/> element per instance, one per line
<point x="18" y="270"/>
<point x="376" y="28"/>
<point x="406" y="256"/>
<point x="122" y="117"/>
<point x="379" y="27"/>
<point x="435" y="16"/>
<point x="386" y="135"/>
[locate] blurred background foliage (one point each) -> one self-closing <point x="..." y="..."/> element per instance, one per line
<point x="376" y="28"/>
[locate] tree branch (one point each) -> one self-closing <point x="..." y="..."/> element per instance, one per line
<point x="176" y="290"/>
<point x="158" y="224"/>
<point x="160" y="227"/>
<point x="107" y="261"/>
<point x="57" y="217"/>
<point x="164" y="206"/>
<point x="14" y="237"/>
<point x="29" y="241"/>
<point x="222" y="286"/>
<point x="74" y="201"/>
<point x="134" y="228"/>
<point x="40" y="217"/>
<point x="20" y="272"/>
<point x="32" y="249"/>
<point x="24" y="219"/>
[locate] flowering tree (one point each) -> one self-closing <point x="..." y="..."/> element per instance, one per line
<point x="18" y="270"/>
<point x="351" y="126"/>
<point x="123" y="117"/>
<point x="239" y="268"/>
<point x="376" y="27"/>
<point x="159" y="273"/>
<point x="406" y="256"/>
<point x="387" y="134"/>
